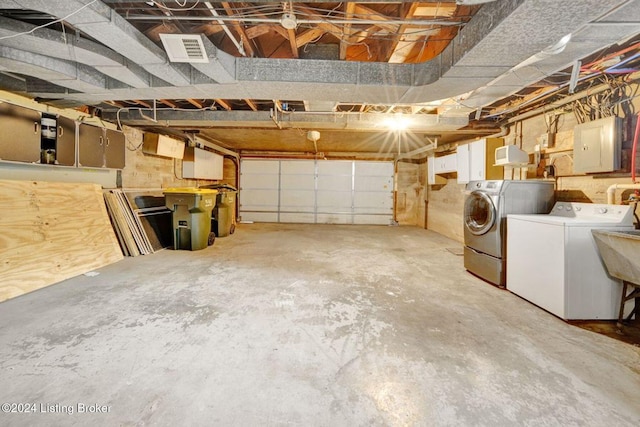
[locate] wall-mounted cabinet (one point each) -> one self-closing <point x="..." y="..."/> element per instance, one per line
<point x="162" y="145"/>
<point x="202" y="164"/>
<point x="75" y="144"/>
<point x="20" y="138"/>
<point x="476" y="160"/>
<point x="446" y="164"/>
<point x="436" y="166"/>
<point x="66" y="142"/>
<point x="98" y="147"/>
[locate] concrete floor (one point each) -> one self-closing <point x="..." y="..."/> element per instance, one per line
<point x="305" y="325"/>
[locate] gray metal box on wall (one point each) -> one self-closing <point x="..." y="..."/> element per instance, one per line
<point x="597" y="145"/>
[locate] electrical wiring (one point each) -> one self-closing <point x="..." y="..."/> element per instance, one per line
<point x="31" y="31"/>
<point x="182" y="7"/>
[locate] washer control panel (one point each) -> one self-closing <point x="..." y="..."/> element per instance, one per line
<point x="593" y="211"/>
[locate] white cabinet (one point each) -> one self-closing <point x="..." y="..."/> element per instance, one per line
<point x="438" y="165"/>
<point x="480" y="159"/>
<point x="446" y="164"/>
<point x="463" y="161"/>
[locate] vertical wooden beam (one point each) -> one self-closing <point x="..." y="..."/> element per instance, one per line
<point x="349" y="8"/>
<point x="292" y="42"/>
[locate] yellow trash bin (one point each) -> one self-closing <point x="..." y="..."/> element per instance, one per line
<point x="191" y="209"/>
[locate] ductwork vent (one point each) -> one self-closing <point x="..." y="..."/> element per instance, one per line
<point x="184" y="48"/>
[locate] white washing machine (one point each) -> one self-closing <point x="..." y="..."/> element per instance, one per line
<point x="553" y="261"/>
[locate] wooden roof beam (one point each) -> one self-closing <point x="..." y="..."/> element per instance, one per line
<point x="403" y="43"/>
<point x="376" y="16"/>
<point x="251" y="104"/>
<point x="308" y="36"/>
<point x="245" y="40"/>
<point x="224" y="104"/>
<point x="143" y="103"/>
<point x="195" y="103"/>
<point x="169" y="103"/>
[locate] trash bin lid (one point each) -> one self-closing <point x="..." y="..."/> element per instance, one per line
<point x="223" y="188"/>
<point x="189" y="190"/>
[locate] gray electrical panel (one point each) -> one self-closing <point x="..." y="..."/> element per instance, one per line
<point x="597" y="145"/>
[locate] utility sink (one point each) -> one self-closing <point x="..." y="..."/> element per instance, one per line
<point x="620" y="251"/>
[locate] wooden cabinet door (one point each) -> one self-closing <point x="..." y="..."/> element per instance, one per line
<point x="19" y="134"/>
<point x="114" y="149"/>
<point x="66" y="144"/>
<point x="91" y="142"/>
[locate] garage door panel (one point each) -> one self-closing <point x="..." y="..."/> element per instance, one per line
<point x="260" y="216"/>
<point x="374" y="183"/>
<point x="259" y="198"/>
<point x="374" y="168"/>
<point x="371" y="219"/>
<point x="297" y="167"/>
<point x="304" y="218"/>
<point x="335" y="183"/>
<point x="334" y="218"/>
<point x="335" y="167"/>
<point x="305" y="191"/>
<point x="297" y="182"/>
<point x="337" y="199"/>
<point x="250" y="167"/>
<point x="297" y="198"/>
<point x="259" y="181"/>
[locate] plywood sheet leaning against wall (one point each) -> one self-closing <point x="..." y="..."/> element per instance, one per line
<point x="51" y="232"/>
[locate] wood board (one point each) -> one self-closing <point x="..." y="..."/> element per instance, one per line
<point x="134" y="238"/>
<point x="51" y="232"/>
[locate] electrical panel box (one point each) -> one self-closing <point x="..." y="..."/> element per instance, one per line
<point x="201" y="164"/>
<point x="597" y="145"/>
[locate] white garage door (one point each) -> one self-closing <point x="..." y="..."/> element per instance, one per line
<point x="316" y="191"/>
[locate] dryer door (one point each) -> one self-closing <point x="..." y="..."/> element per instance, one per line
<point x="479" y="213"/>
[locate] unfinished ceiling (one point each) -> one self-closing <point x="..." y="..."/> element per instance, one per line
<point x="255" y="76"/>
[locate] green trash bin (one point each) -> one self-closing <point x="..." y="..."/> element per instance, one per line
<point x="192" y="209"/>
<point x="223" y="221"/>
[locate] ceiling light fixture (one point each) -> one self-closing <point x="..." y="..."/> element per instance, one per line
<point x="289" y="21"/>
<point x="313" y="135"/>
<point x="396" y="123"/>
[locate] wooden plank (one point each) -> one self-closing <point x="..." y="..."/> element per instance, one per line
<point x="121" y="224"/>
<point x="134" y="222"/>
<point x="51" y="232"/>
<point x="293" y="43"/>
<point x="346" y="29"/>
<point x="114" y="224"/>
<point x="153" y="215"/>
